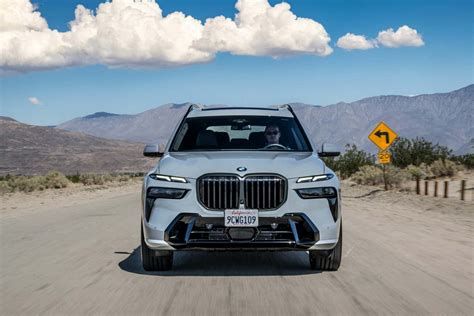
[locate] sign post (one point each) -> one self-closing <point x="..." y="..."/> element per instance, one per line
<point x="383" y="136"/>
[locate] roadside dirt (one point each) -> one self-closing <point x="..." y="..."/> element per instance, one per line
<point x="18" y="203"/>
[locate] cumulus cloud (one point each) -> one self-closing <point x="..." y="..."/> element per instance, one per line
<point x="34" y="101"/>
<point x="260" y="29"/>
<point x="351" y="41"/>
<point x="134" y="33"/>
<point x="120" y="33"/>
<point x="404" y="36"/>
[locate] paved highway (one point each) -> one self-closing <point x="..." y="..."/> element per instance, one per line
<point x="84" y="259"/>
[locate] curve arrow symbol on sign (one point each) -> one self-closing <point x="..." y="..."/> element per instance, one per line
<point x="379" y="134"/>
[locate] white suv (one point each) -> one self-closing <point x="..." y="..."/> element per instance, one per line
<point x="240" y="178"/>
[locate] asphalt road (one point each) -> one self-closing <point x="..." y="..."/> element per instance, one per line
<point x="84" y="259"/>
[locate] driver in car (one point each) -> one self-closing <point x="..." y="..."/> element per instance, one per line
<point x="272" y="135"/>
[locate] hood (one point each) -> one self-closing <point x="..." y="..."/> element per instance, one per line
<point x="193" y="165"/>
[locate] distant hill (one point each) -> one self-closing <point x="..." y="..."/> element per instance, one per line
<point x="445" y="118"/>
<point x="100" y="114"/>
<point x="152" y="126"/>
<point x="6" y="118"/>
<point x="27" y="149"/>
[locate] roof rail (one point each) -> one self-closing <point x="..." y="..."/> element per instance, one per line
<point x="287" y="106"/>
<point x="195" y="106"/>
<point x="200" y="107"/>
<point x="239" y="108"/>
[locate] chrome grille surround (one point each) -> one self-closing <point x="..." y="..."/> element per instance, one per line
<point x="229" y="191"/>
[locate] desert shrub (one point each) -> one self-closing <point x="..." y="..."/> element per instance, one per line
<point x="373" y="175"/>
<point x="26" y="184"/>
<point x="416" y="151"/>
<point x="74" y="178"/>
<point x="422" y="171"/>
<point x="370" y="175"/>
<point x="55" y="180"/>
<point x="5" y="187"/>
<point x="415" y="172"/>
<point x="91" y="179"/>
<point x="5" y="177"/>
<point x="350" y="161"/>
<point x="466" y="160"/>
<point x="123" y="178"/>
<point x="100" y="179"/>
<point x="108" y="178"/>
<point x="444" y="168"/>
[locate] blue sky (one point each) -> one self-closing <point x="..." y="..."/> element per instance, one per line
<point x="442" y="64"/>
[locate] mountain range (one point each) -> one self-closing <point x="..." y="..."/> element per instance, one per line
<point x="27" y="149"/>
<point x="444" y="118"/>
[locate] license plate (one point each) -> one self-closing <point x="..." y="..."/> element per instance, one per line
<point x="241" y="218"/>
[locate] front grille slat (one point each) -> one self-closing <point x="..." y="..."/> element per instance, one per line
<point x="259" y="195"/>
<point x="215" y="192"/>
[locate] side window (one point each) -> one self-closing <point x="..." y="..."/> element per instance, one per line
<point x="180" y="136"/>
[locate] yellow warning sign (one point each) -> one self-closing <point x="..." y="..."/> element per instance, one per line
<point x="384" y="157"/>
<point x="382" y="136"/>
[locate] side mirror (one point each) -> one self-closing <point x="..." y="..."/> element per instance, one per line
<point x="153" y="151"/>
<point x="329" y="150"/>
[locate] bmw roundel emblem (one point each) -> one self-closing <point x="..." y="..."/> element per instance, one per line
<point x="241" y="169"/>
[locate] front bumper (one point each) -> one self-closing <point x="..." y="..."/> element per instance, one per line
<point x="290" y="232"/>
<point x="181" y="224"/>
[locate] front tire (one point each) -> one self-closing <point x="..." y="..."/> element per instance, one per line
<point x="155" y="260"/>
<point x="324" y="261"/>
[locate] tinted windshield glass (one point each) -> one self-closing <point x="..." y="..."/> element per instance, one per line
<point x="240" y="133"/>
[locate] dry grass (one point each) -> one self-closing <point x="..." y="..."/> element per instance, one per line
<point x="57" y="180"/>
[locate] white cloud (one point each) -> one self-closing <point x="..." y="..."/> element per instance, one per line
<point x="20" y="15"/>
<point x="404" y="36"/>
<point x="120" y="33"/>
<point x="351" y="41"/>
<point x="34" y="101"/>
<point x="134" y="33"/>
<point x="260" y="29"/>
<point x="128" y="33"/>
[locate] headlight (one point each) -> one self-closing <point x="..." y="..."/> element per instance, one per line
<point x="166" y="193"/>
<point x="317" y="193"/>
<point x="328" y="193"/>
<point x="319" y="177"/>
<point x="161" y="177"/>
<point x="161" y="193"/>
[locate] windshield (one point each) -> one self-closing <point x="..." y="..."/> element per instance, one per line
<point x="240" y="133"/>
